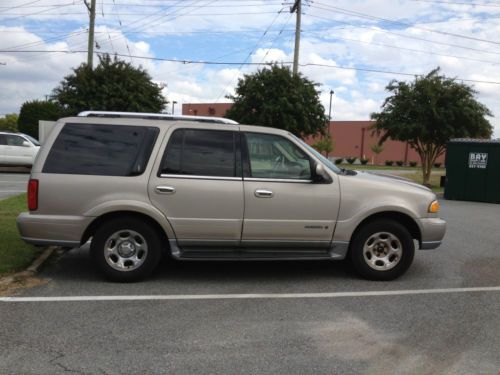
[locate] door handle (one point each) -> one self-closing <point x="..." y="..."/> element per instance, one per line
<point x="165" y="189"/>
<point x="264" y="193"/>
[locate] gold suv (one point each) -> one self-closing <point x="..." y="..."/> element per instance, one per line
<point x="140" y="185"/>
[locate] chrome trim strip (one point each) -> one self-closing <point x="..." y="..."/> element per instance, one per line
<point x="429" y="245"/>
<point x="194" y="177"/>
<point x="44" y="242"/>
<point x="277" y="180"/>
<point x="156" y="116"/>
<point x="277" y="244"/>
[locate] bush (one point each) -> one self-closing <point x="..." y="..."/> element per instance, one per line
<point x="413" y="163"/>
<point x="363" y="161"/>
<point x="389" y="163"/>
<point x="35" y="110"/>
<point x="351" y="160"/>
<point x="399" y="163"/>
<point x="339" y="161"/>
<point x="437" y="165"/>
<point x="9" y="123"/>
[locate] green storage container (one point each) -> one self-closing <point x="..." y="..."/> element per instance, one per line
<point x="473" y="170"/>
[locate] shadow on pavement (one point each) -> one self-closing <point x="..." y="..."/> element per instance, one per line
<point x="76" y="266"/>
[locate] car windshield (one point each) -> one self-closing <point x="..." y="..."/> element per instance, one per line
<point x="33" y="140"/>
<point x="324" y="160"/>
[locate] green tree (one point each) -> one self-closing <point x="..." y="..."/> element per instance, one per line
<point x="324" y="145"/>
<point x="33" y="111"/>
<point x="376" y="149"/>
<point x="275" y="97"/>
<point x="9" y="122"/>
<point x="428" y="112"/>
<point x="113" y="85"/>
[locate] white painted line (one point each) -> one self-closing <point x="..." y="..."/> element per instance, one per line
<point x="176" y="297"/>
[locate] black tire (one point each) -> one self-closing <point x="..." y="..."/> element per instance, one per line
<point x="147" y="249"/>
<point x="364" y="260"/>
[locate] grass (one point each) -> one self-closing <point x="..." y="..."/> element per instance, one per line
<point x="384" y="167"/>
<point x="15" y="254"/>
<point x="414" y="173"/>
<point x="434" y="181"/>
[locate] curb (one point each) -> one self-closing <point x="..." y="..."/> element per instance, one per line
<point x="32" y="269"/>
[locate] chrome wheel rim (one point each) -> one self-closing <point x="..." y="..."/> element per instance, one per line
<point x="125" y="250"/>
<point x="382" y="251"/>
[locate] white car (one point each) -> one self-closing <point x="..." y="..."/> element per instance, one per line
<point x="17" y="149"/>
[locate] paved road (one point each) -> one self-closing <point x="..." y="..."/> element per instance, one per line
<point x="453" y="332"/>
<point x="13" y="183"/>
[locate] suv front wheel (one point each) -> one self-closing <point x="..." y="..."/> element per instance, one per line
<point x="126" y="249"/>
<point x="382" y="250"/>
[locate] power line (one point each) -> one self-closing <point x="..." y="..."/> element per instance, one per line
<point x="249" y="54"/>
<point x="334" y="9"/>
<point x="406" y="36"/>
<point x="121" y="29"/>
<point x="458" y="3"/>
<point x="21" y="5"/>
<point x="416" y="50"/>
<point x="269" y="3"/>
<point x="207" y="62"/>
<point x="144" y="14"/>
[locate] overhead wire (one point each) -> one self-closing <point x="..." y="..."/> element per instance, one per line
<point x="335" y="9"/>
<point x="378" y="29"/>
<point x="458" y="3"/>
<point x="20" y="5"/>
<point x="229" y="63"/>
<point x="250" y="54"/>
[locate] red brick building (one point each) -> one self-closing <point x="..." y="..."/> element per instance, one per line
<point x="205" y="109"/>
<point x="350" y="138"/>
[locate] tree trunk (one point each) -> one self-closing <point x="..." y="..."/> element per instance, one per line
<point x="427" y="162"/>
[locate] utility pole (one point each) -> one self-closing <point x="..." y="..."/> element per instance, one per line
<point x="330" y="112"/>
<point x="297" y="7"/>
<point x="90" y="49"/>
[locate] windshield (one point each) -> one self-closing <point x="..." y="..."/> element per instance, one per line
<point x="324" y="160"/>
<point x="33" y="140"/>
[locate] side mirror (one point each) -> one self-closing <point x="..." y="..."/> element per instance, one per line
<point x="26" y="144"/>
<point x="320" y="175"/>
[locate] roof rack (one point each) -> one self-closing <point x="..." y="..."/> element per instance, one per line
<point x="156" y="116"/>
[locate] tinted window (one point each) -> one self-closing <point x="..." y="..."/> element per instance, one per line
<point x="112" y="150"/>
<point x="14" y="140"/>
<point x="33" y="140"/>
<point x="201" y="153"/>
<point x="272" y="156"/>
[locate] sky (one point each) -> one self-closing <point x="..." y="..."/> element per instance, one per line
<point x="198" y="49"/>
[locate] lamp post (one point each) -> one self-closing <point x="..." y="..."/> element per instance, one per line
<point x="173" y="106"/>
<point x="330" y="112"/>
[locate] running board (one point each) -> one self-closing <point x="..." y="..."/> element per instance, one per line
<point x="337" y="251"/>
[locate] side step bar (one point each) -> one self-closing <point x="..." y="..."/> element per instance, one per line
<point x="337" y="251"/>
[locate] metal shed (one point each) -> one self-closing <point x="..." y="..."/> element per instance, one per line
<point x="473" y="170"/>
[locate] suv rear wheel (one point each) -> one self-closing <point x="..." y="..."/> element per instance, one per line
<point x="382" y="250"/>
<point x="126" y="249"/>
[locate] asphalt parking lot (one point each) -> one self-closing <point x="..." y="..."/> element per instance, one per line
<point x="13" y="181"/>
<point x="268" y="317"/>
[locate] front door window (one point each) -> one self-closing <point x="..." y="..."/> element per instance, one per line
<point x="275" y="157"/>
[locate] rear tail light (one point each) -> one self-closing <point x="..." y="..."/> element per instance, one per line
<point x="32" y="195"/>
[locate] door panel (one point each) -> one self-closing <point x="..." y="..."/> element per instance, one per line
<point x="283" y="207"/>
<point x="199" y="187"/>
<point x="296" y="212"/>
<point x="201" y="211"/>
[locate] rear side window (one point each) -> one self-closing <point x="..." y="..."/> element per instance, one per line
<point x="104" y="150"/>
<point x="202" y="153"/>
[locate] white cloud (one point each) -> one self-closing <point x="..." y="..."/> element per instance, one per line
<point x="329" y="40"/>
